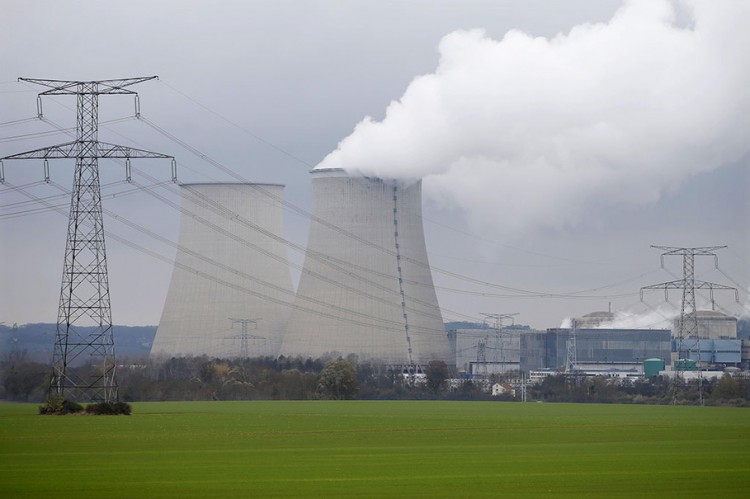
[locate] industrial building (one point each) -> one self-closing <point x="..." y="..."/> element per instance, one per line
<point x="486" y="351"/>
<point x="366" y="286"/>
<point x="231" y="290"/>
<point x="709" y="352"/>
<point x="598" y="349"/>
<point x="716" y="344"/>
<point x="713" y="325"/>
<point x="482" y="352"/>
<point x="607" y="349"/>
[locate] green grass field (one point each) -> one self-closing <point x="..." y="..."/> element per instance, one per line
<point x="377" y="449"/>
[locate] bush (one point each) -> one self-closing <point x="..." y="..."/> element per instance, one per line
<point x="123" y="408"/>
<point x="56" y="405"/>
<point x="109" y="409"/>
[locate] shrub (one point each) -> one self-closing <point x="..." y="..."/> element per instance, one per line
<point x="56" y="405"/>
<point x="70" y="407"/>
<point x="123" y="408"/>
<point x="109" y="409"/>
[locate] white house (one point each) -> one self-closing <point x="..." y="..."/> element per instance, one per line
<point x="502" y="388"/>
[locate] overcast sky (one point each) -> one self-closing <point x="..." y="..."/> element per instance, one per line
<point x="558" y="140"/>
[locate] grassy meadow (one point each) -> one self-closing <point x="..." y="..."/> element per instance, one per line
<point x="377" y="449"/>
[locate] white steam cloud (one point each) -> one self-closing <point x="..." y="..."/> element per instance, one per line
<point x="659" y="318"/>
<point x="548" y="129"/>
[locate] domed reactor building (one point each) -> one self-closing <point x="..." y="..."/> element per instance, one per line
<point x="231" y="290"/>
<point x="366" y="286"/>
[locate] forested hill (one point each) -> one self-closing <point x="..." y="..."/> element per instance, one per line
<point x="38" y="339"/>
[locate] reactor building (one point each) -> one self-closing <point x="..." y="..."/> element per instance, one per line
<point x="366" y="285"/>
<point x="231" y="289"/>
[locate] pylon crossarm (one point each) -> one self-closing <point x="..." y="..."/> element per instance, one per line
<point x="711" y="285"/>
<point x="105" y="150"/>
<point x="245" y="336"/>
<point x="666" y="285"/>
<point x="64" y="87"/>
<point x="705" y="250"/>
<point x="66" y="150"/>
<point x="74" y="150"/>
<point x="116" y="86"/>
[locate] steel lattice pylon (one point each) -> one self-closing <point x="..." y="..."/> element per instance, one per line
<point x="688" y="322"/>
<point x="84" y="335"/>
<point x="245" y="336"/>
<point x="571" y="363"/>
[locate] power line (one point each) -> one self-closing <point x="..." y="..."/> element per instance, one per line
<point x="517" y="292"/>
<point x="18" y="121"/>
<point x="239" y="127"/>
<point x="310" y="165"/>
<point x="234" y="271"/>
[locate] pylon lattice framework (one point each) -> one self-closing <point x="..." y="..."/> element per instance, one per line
<point x="688" y="325"/>
<point x="571" y="363"/>
<point x="245" y="336"/>
<point x="84" y="320"/>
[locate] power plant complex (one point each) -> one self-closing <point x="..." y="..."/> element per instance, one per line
<point x="366" y="290"/>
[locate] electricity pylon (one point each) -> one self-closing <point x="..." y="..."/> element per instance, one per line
<point x="482" y="357"/>
<point x="84" y="319"/>
<point x="688" y="325"/>
<point x="571" y="358"/>
<point x="497" y="319"/>
<point x="496" y="324"/>
<point x="245" y="336"/>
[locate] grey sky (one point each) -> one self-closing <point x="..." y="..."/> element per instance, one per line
<point x="301" y="75"/>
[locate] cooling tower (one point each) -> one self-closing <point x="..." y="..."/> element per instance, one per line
<point x="231" y="291"/>
<point x="366" y="286"/>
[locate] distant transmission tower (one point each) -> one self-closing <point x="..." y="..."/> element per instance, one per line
<point x="495" y="321"/>
<point x="482" y="357"/>
<point x="572" y="349"/>
<point x="84" y="319"/>
<point x="245" y="336"/>
<point x="688" y="324"/>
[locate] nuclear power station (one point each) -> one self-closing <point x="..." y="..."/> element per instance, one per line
<point x="366" y="285"/>
<point x="366" y="290"/>
<point x="231" y="290"/>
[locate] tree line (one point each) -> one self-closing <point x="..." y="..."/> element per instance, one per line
<point x="288" y="378"/>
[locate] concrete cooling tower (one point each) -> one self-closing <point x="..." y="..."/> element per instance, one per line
<point x="366" y="286"/>
<point x="231" y="290"/>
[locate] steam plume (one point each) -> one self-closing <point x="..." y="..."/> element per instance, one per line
<point x="659" y="318"/>
<point x="549" y="129"/>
